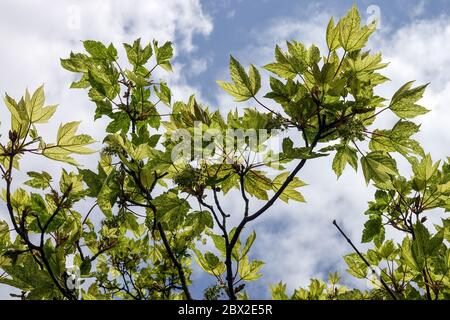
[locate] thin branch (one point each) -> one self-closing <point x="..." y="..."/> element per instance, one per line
<point x="89" y="212"/>
<point x="95" y="256"/>
<point x="174" y="259"/>
<point x="388" y="289"/>
<point x="243" y="193"/>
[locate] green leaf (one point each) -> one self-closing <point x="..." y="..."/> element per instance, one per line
<point x="163" y="55"/>
<point x="255" y="79"/>
<point x="403" y="103"/>
<point x="77" y="62"/>
<point x="387" y="250"/>
<point x="103" y="108"/>
<point x="421" y="241"/>
<point x="283" y="93"/>
<point x="366" y="63"/>
<point x="67" y="143"/>
<point x="351" y="36"/>
<point x="356" y="266"/>
<point x="71" y="183"/>
<point x="372" y="228"/>
<point x="27" y="276"/>
<point x="248" y="244"/>
<point x="343" y="156"/>
<point x="249" y="270"/>
<point x="289" y="65"/>
<point x="141" y="152"/>
<point x="407" y="255"/>
<point x="164" y="94"/>
<point x="313" y="56"/>
<point x="137" y="55"/>
<point x="36" y="111"/>
<point x="332" y="36"/>
<point x="19" y="199"/>
<point x="209" y="263"/>
<point x="170" y="207"/>
<point x="425" y="169"/>
<point x="435" y="243"/>
<point x="278" y="291"/>
<point x="299" y="153"/>
<point x="139" y="80"/>
<point x="93" y="181"/>
<point x="85" y="267"/>
<point x="4" y="234"/>
<point x="289" y="193"/>
<point x="377" y="166"/>
<point x="104" y="200"/>
<point x="121" y="122"/>
<point x="211" y="259"/>
<point x="257" y="184"/>
<point x="19" y="116"/>
<point x="244" y="86"/>
<point x="39" y="180"/>
<point x="147" y="177"/>
<point x="397" y="140"/>
<point x="38" y="204"/>
<point x="98" y="50"/>
<point x="219" y="242"/>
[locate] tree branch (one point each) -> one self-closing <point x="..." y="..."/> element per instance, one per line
<point x="388" y="289"/>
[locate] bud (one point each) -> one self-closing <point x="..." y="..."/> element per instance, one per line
<point x="239" y="288"/>
<point x="12" y="136"/>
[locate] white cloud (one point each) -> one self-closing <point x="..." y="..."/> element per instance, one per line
<point x="198" y="66"/>
<point x="418" y="9"/>
<point x="419" y="51"/>
<point x="230" y="14"/>
<point x="39" y="34"/>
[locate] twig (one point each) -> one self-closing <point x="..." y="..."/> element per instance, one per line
<point x="365" y="261"/>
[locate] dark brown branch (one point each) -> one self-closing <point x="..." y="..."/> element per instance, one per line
<point x="247" y="218"/>
<point x="244" y="194"/>
<point x="388" y="289"/>
<point x="173" y="258"/>
<point x="103" y="250"/>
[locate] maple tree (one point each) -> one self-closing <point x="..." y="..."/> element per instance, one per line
<point x="135" y="226"/>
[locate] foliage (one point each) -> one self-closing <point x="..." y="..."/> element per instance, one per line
<point x="151" y="209"/>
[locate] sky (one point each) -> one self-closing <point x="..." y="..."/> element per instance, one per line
<point x="297" y="241"/>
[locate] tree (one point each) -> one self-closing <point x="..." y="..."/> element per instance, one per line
<point x="166" y="168"/>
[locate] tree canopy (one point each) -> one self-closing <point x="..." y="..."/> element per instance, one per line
<point x="136" y="226"/>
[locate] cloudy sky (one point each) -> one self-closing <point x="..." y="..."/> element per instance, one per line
<point x="297" y="241"/>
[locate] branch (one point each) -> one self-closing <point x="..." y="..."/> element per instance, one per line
<point x="89" y="212"/>
<point x="244" y="195"/>
<point x="365" y="261"/>
<point x="172" y="257"/>
<point x="147" y="194"/>
<point x="95" y="256"/>
<point x="211" y="208"/>
<point x="247" y="218"/>
<point x="216" y="200"/>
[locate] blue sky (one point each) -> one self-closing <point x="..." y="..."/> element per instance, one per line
<point x="236" y="23"/>
<point x="414" y="37"/>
